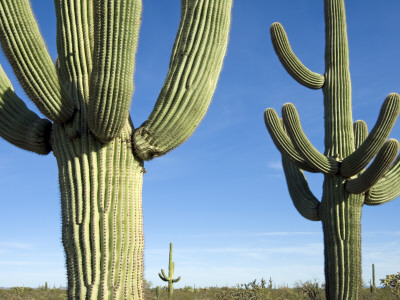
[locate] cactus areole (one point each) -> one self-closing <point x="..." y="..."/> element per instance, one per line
<point x="348" y="183"/>
<point x="85" y="97"/>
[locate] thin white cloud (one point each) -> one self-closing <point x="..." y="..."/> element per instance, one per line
<point x="277" y="165"/>
<point x="16" y="245"/>
<point x="308" y="249"/>
<point x="20" y="263"/>
<point x="243" y="234"/>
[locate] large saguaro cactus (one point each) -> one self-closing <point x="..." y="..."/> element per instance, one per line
<point x="85" y="97"/>
<point x="349" y="182"/>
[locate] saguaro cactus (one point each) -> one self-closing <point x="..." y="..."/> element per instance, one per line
<point x="170" y="278"/>
<point x="372" y="285"/>
<point x="85" y="97"/>
<point x="348" y="151"/>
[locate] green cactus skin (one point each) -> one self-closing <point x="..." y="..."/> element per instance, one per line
<point x="348" y="183"/>
<point x="169" y="278"/>
<point x="85" y="97"/>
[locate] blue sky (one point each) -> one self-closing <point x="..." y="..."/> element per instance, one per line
<point x="221" y="197"/>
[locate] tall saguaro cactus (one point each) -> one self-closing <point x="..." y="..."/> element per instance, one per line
<point x="349" y="182"/>
<point x="171" y="270"/>
<point x="85" y="98"/>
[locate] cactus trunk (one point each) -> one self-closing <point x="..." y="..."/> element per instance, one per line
<point x="101" y="190"/>
<point x="341" y="216"/>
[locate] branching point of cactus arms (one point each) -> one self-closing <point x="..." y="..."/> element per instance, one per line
<point x="170" y="278"/>
<point x="86" y="97"/>
<point x="349" y="149"/>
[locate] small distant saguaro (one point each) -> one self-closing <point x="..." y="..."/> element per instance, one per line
<point x="85" y="97"/>
<point x="348" y="182"/>
<point x="171" y="270"/>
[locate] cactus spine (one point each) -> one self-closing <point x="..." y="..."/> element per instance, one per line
<point x="171" y="270"/>
<point x="348" y="151"/>
<point x="85" y="97"/>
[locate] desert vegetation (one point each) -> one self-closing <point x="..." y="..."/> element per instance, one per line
<point x="253" y="290"/>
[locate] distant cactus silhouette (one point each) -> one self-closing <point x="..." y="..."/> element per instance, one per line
<point x="85" y="97"/>
<point x="171" y="270"/>
<point x="348" y="151"/>
<point x="372" y="285"/>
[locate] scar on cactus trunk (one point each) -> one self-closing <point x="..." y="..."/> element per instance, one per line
<point x="348" y="183"/>
<point x="85" y="98"/>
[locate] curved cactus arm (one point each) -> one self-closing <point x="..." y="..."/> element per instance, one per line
<point x="303" y="199"/>
<point x="360" y="130"/>
<point x="194" y="69"/>
<point x="176" y="280"/>
<point x="290" y="61"/>
<point x="116" y="27"/>
<point x="282" y="141"/>
<point x="311" y="155"/>
<point x="163" y="276"/>
<point x="20" y="126"/>
<point x="387" y="188"/>
<point x="376" y="170"/>
<point x="74" y="45"/>
<point x="26" y="51"/>
<point x="360" y="158"/>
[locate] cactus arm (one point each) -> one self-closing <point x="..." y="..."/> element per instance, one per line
<point x="20" y="126"/>
<point x="116" y="27"/>
<point x="376" y="170"/>
<point x="163" y="276"/>
<point x="311" y="155"/>
<point x="290" y="61"/>
<point x="303" y="199"/>
<point x="194" y="69"/>
<point x="282" y="141"/>
<point x="74" y="45"/>
<point x="176" y="280"/>
<point x="26" y="51"/>
<point x="360" y="158"/>
<point x="360" y="130"/>
<point x="387" y="188"/>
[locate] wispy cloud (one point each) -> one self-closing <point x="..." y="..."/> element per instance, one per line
<point x="308" y="249"/>
<point x="277" y="165"/>
<point x="20" y="263"/>
<point x="16" y="245"/>
<point x="242" y="234"/>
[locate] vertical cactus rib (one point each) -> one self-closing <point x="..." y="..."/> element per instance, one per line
<point x="303" y="199"/>
<point x="376" y="170"/>
<point x="282" y="141"/>
<point x="116" y="28"/>
<point x="195" y="65"/>
<point x="105" y="245"/>
<point x="360" y="158"/>
<point x="26" y="51"/>
<point x="387" y="188"/>
<point x="74" y="45"/>
<point x="290" y="61"/>
<point x="19" y="125"/>
<point x="311" y="155"/>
